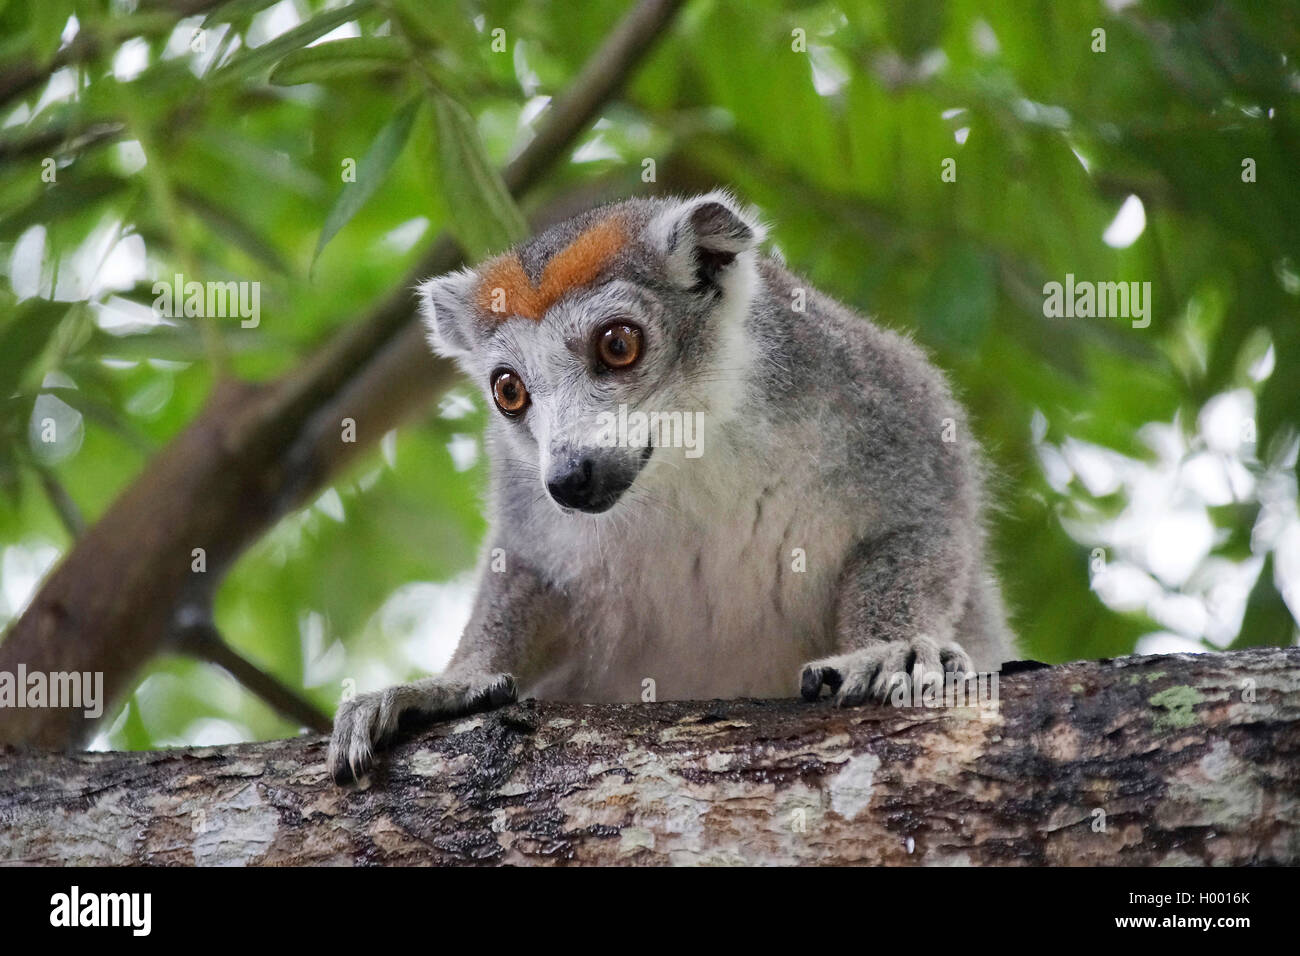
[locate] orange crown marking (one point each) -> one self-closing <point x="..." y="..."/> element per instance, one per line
<point x="575" y="265"/>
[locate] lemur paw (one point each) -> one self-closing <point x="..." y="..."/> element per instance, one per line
<point x="872" y="672"/>
<point x="370" y="720"/>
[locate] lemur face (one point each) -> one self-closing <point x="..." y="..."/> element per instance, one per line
<point x="629" y="310"/>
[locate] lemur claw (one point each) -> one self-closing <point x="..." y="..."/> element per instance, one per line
<point x="871" y="673"/>
<point x="370" y="720"/>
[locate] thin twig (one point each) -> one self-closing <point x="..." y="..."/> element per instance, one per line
<point x="202" y="640"/>
<point x="62" y="503"/>
<point x="87" y="45"/>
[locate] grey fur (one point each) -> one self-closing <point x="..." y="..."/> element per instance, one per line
<point x="823" y="433"/>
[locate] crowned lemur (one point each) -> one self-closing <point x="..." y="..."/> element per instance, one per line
<point x="824" y="529"/>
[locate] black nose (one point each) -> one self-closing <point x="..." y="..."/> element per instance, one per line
<point x="577" y="485"/>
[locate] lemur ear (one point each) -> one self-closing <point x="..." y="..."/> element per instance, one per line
<point x="447" y="312"/>
<point x="702" y="239"/>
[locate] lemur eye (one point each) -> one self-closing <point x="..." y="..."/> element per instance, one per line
<point x="509" y="392"/>
<point x="618" y="344"/>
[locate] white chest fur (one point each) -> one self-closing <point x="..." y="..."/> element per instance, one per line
<point x="712" y="582"/>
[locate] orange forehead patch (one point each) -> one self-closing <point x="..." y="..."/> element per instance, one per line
<point x="505" y="289"/>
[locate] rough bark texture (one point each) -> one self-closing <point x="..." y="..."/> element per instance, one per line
<point x="1191" y="759"/>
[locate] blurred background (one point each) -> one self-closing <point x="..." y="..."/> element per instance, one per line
<point x="934" y="163"/>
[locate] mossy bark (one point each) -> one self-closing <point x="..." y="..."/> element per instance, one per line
<point x="1182" y="759"/>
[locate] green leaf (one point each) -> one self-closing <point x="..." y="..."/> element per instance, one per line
<point x="236" y="10"/>
<point x="48" y="20"/>
<point x="270" y="53"/>
<point x="230" y="227"/>
<point x="134" y="733"/>
<point x="1267" y="621"/>
<point x="370" y="173"/>
<point x="10" y="476"/>
<point x="419" y="21"/>
<point x="340" y="58"/>
<point x="914" y="26"/>
<point x="960" y="297"/>
<point x="180" y="343"/>
<point x="24" y="337"/>
<point x="484" y="217"/>
<point x="65" y="199"/>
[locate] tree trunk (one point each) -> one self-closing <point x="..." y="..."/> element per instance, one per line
<point x="1144" y="760"/>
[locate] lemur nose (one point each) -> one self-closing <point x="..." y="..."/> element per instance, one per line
<point x="576" y="485"/>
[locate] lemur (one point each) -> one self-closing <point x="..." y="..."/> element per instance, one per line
<point x="828" y="532"/>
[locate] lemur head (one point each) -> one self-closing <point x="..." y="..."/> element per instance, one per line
<point x="636" y="306"/>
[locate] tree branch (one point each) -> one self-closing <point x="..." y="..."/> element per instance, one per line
<point x="1181" y="759"/>
<point x="202" y="640"/>
<point x="85" y="47"/>
<point x="69" y="514"/>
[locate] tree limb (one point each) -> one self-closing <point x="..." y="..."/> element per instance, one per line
<point x="85" y="47"/>
<point x="202" y="640"/>
<point x="1180" y="759"/>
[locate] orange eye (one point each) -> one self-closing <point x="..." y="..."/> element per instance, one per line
<point x="509" y="393"/>
<point x="618" y="345"/>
